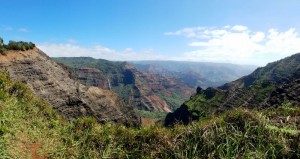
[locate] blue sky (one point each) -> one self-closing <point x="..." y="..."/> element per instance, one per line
<point x="236" y="31"/>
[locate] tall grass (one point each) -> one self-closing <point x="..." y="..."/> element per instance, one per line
<point x="26" y="121"/>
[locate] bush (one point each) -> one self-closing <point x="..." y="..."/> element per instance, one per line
<point x="1" y="42"/>
<point x="2" y="50"/>
<point x="13" y="45"/>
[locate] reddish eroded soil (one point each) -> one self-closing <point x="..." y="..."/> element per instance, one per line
<point x="34" y="151"/>
<point x="147" y="122"/>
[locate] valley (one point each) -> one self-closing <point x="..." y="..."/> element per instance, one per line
<point x="82" y="107"/>
<point x="149" y="79"/>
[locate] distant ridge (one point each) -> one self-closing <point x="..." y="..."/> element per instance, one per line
<point x="203" y="74"/>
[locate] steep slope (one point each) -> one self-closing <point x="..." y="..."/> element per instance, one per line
<point x="51" y="82"/>
<point x="145" y="91"/>
<point x="268" y="86"/>
<point x="203" y="74"/>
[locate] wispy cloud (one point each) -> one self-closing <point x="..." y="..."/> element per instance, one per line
<point x="72" y="41"/>
<point x="238" y="44"/>
<point x="9" y="28"/>
<point x="97" y="51"/>
<point x="23" y="30"/>
<point x="6" y="28"/>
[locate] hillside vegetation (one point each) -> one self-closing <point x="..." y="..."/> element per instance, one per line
<point x="266" y="87"/>
<point x="29" y="128"/>
<point x="13" y="45"/>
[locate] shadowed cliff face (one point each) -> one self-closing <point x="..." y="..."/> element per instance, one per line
<point x="268" y="86"/>
<point x="51" y="81"/>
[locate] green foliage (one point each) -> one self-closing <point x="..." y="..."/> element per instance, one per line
<point x="21" y="45"/>
<point x="13" y="45"/>
<point x="175" y="100"/>
<point x="2" y="49"/>
<point x="262" y="90"/>
<point x="1" y="41"/>
<point x="203" y="104"/>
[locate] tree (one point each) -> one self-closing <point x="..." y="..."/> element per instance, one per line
<point x="1" y="42"/>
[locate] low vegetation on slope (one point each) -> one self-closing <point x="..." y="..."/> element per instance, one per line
<point x="29" y="128"/>
<point x="13" y="45"/>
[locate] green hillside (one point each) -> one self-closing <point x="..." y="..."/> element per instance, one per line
<point x="266" y="87"/>
<point x="30" y="129"/>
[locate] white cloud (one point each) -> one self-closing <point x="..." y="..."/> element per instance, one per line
<point x="233" y="44"/>
<point x="97" y="51"/>
<point x="239" y="28"/>
<point x="72" y="41"/>
<point x="238" y="44"/>
<point x="258" y="37"/>
<point x="23" y="30"/>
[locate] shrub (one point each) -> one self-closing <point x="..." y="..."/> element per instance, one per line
<point x="21" y="45"/>
<point x="1" y="42"/>
<point x="2" y="49"/>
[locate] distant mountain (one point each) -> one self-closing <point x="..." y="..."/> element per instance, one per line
<point x="203" y="74"/>
<point x="269" y="86"/>
<point x="51" y="82"/>
<point x="143" y="90"/>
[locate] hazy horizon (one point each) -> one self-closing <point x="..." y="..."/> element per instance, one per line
<point x="238" y="32"/>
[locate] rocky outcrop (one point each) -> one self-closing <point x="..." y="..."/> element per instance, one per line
<point x="51" y="82"/>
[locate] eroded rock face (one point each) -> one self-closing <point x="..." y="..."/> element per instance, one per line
<point x="152" y="91"/>
<point x="51" y="82"/>
<point x="143" y="90"/>
<point x="92" y="77"/>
